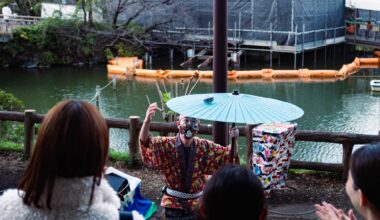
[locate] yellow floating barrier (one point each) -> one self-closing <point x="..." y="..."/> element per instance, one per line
<point x="124" y="61"/>
<point x="323" y="73"/>
<point x="369" y="60"/>
<point x="244" y="74"/>
<point x="209" y="74"/>
<point x="133" y="66"/>
<point x="149" y="73"/>
<point x="285" y="74"/>
<point x="117" y="70"/>
<point x="369" y="66"/>
<point x="179" y="73"/>
<point x="267" y="73"/>
<point x="304" y="73"/>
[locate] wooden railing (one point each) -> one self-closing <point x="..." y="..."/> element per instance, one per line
<point x="133" y="124"/>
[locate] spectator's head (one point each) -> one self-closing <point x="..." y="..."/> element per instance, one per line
<point x="72" y="142"/>
<point x="188" y="126"/>
<point x="233" y="192"/>
<point x="364" y="180"/>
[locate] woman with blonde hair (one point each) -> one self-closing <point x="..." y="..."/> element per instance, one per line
<point x="64" y="178"/>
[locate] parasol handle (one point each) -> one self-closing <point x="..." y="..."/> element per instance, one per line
<point x="233" y="146"/>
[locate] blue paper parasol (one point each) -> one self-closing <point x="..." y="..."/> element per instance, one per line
<point x="234" y="108"/>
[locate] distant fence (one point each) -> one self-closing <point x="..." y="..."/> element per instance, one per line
<point x="133" y="124"/>
<point x="9" y="22"/>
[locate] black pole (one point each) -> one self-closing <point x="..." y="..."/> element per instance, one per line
<point x="219" y="129"/>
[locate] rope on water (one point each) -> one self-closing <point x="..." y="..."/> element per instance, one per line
<point x="98" y="89"/>
<point x="93" y="98"/>
<point x="106" y="85"/>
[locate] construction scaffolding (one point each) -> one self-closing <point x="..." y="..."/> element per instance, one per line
<point x="363" y="26"/>
<point x="269" y="25"/>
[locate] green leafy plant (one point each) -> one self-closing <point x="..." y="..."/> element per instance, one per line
<point x="108" y="53"/>
<point x="47" y="58"/>
<point x="10" y="132"/>
<point x="118" y="156"/>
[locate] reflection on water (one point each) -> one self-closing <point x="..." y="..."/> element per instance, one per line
<point x="341" y="106"/>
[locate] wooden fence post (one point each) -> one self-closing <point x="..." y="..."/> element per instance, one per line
<point x="28" y="132"/>
<point x="134" y="149"/>
<point x="249" y="140"/>
<point x="347" y="151"/>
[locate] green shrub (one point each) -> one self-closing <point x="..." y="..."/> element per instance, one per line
<point x="124" y="51"/>
<point x="47" y="58"/>
<point x="108" y="53"/>
<point x="10" y="132"/>
<point x="65" y="41"/>
<point x="120" y="50"/>
<point x="8" y="102"/>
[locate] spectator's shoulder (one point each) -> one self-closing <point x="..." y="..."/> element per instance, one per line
<point x="11" y="203"/>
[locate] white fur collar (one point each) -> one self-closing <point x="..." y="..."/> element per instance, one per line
<point x="70" y="200"/>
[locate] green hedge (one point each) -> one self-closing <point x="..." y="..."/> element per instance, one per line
<point x="11" y="133"/>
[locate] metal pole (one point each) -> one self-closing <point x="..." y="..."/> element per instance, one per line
<point x="355" y="25"/>
<point x="303" y="44"/>
<point x="239" y="26"/>
<point x="292" y="18"/>
<point x="295" y="46"/>
<point x="252" y="14"/>
<point x="146" y="59"/>
<point x="150" y="61"/>
<point x="344" y="52"/>
<point x="97" y="94"/>
<point x="219" y="129"/>
<point x="325" y="45"/>
<point x="235" y="35"/>
<point x="334" y="47"/>
<point x="171" y="58"/>
<point x="114" y="82"/>
<point x="271" y="45"/>
<point x="209" y="34"/>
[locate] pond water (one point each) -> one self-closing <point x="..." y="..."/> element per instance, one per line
<point x="340" y="106"/>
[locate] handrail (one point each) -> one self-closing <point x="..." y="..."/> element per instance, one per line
<point x="347" y="140"/>
<point x="21" y="16"/>
<point x="261" y="31"/>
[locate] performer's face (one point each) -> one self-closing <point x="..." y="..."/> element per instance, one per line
<point x="188" y="126"/>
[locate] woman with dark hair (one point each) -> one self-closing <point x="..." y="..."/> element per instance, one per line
<point x="64" y="178"/>
<point x="233" y="192"/>
<point x="362" y="186"/>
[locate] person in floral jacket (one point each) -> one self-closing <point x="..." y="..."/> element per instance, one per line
<point x="184" y="160"/>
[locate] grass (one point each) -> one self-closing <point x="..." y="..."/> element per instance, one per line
<point x="14" y="147"/>
<point x="118" y="156"/>
<point x="315" y="172"/>
<point x="10" y="146"/>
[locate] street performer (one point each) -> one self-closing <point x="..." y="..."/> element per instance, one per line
<point x="184" y="160"/>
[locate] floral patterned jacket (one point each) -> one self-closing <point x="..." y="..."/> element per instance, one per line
<point x="166" y="154"/>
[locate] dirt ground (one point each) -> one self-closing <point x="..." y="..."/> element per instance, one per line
<point x="295" y="202"/>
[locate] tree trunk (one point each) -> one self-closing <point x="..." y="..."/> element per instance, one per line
<point x="114" y="19"/>
<point x="84" y="11"/>
<point x="90" y="19"/>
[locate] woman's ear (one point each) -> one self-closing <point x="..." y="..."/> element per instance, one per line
<point x="363" y="201"/>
